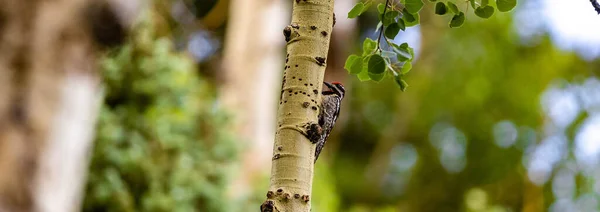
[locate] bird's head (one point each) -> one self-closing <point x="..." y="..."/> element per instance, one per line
<point x="336" y="88"/>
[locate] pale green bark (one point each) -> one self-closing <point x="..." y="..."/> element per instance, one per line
<point x="293" y="154"/>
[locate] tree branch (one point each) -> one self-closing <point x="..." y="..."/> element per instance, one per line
<point x="382" y="25"/>
<point x="596" y="5"/>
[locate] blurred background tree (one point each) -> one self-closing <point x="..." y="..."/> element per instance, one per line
<point x="499" y="116"/>
<point x="162" y="144"/>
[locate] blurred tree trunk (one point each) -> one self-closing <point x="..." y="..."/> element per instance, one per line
<point x="308" y="38"/>
<point x="342" y="38"/>
<point x="252" y="60"/>
<point x="49" y="92"/>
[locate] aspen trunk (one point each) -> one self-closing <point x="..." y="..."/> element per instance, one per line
<point x="308" y="38"/>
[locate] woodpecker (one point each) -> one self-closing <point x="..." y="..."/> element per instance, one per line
<point x="331" y="100"/>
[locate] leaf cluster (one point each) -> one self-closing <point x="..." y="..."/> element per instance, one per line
<point x="395" y="62"/>
<point x="375" y="63"/>
<point x="481" y="8"/>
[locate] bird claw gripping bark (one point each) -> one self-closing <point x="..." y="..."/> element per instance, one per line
<point x="313" y="132"/>
<point x="268" y="206"/>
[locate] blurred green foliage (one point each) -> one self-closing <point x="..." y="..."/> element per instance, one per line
<point x="161" y="144"/>
<point x="433" y="148"/>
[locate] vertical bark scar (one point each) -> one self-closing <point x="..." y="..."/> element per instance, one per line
<point x="333" y="21"/>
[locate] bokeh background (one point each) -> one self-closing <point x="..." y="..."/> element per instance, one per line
<point x="501" y="114"/>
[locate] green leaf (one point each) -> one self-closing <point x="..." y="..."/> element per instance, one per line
<point x="405" y="46"/>
<point x="453" y="8"/>
<point x="356" y="10"/>
<point x="403" y="55"/>
<point x="376" y="77"/>
<point x="376" y="64"/>
<point x="407" y="16"/>
<point x="432" y="0"/>
<point x="392" y="30"/>
<point x="403" y="52"/>
<point x="369" y="46"/>
<point x="380" y="8"/>
<point x="379" y="77"/>
<point x="413" y="6"/>
<point x="506" y="5"/>
<point x="354" y="64"/>
<point x="406" y="68"/>
<point x="363" y="76"/>
<point x="457" y="20"/>
<point x="366" y="7"/>
<point x="390" y="17"/>
<point x="378" y="26"/>
<point x="403" y="85"/>
<point x="350" y="60"/>
<point x="401" y="24"/>
<point x="472" y="3"/>
<point x="414" y="23"/>
<point x="410" y="19"/>
<point x="391" y="14"/>
<point x="484" y="11"/>
<point x="484" y="3"/>
<point x="364" y="73"/>
<point x="387" y="54"/>
<point x="441" y="8"/>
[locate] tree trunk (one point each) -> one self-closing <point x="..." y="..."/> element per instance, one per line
<point x="308" y="38"/>
<point x="252" y="57"/>
<point x="49" y="92"/>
